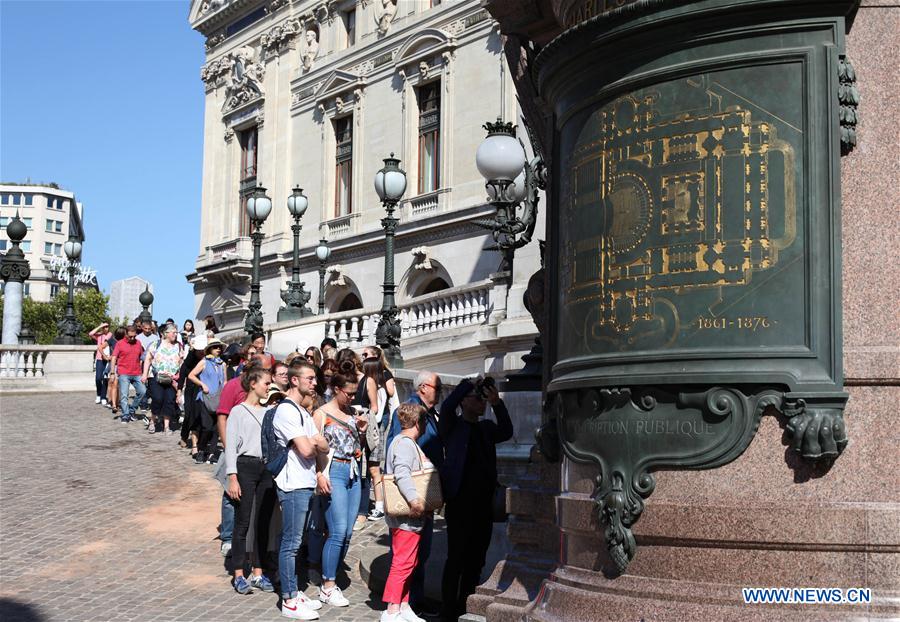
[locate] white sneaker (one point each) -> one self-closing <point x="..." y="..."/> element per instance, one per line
<point x="295" y="610"/>
<point x="97" y="401"/>
<point x="333" y="597"/>
<point x="407" y="614"/>
<point x="308" y="602"/>
<point x="225" y="549"/>
<point x="391" y="617"/>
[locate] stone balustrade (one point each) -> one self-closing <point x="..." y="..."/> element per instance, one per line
<point x="467" y="305"/>
<point x="46" y="368"/>
<point x="21" y="362"/>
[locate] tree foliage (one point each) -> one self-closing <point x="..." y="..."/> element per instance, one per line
<point x="91" y="309"/>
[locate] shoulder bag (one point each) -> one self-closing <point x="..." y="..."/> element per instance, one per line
<point x="428" y="488"/>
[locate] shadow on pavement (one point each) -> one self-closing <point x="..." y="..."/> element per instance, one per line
<point x="14" y="611"/>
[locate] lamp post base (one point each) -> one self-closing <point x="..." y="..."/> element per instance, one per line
<point x="286" y="314"/>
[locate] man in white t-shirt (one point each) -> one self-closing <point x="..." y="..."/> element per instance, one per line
<point x="296" y="485"/>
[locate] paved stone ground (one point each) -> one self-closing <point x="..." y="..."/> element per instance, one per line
<point x="101" y="521"/>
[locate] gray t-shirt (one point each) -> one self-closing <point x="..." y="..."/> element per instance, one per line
<point x="402" y="458"/>
<point x="243" y="434"/>
<point x="147" y="341"/>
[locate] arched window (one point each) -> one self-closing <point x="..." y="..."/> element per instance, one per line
<point x="350" y="302"/>
<point x="435" y="285"/>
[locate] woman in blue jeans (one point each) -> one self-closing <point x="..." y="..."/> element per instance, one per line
<point x="337" y="478"/>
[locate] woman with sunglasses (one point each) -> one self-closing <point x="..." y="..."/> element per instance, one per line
<point x="313" y="356"/>
<point x="338" y="481"/>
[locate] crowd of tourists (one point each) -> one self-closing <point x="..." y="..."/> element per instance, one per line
<point x="307" y="448"/>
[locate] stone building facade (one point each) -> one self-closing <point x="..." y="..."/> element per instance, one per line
<point x="50" y="214"/>
<point x="315" y="94"/>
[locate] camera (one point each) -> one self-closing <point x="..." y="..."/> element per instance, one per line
<point x="481" y="385"/>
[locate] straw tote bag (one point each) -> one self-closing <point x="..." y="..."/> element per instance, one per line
<point x="428" y="488"/>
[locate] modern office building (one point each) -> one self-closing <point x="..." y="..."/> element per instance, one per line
<point x="123" y="297"/>
<point x="51" y="215"/>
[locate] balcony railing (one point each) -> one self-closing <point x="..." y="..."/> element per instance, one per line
<point x="342" y="226"/>
<point x="457" y="307"/>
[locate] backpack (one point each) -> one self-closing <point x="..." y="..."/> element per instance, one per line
<point x="274" y="455"/>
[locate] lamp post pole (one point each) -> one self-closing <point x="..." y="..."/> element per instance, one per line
<point x="258" y="207"/>
<point x="322" y="253"/>
<point x="390" y="184"/>
<point x="14" y="271"/>
<point x="69" y="327"/>
<point x="295" y="297"/>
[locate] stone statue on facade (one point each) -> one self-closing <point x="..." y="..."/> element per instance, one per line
<point x="385" y="11"/>
<point x="312" y="49"/>
<point x="245" y="82"/>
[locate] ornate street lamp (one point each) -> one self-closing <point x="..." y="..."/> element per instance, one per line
<point x="69" y="327"/>
<point x="322" y="254"/>
<point x="146" y="299"/>
<point x="259" y="205"/>
<point x="390" y="184"/>
<point x="512" y="184"/>
<point x="295" y="297"/>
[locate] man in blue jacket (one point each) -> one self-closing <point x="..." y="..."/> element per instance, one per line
<point x="468" y="480"/>
<point x="427" y="393"/>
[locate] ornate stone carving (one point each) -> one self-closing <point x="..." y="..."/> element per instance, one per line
<point x="339" y="104"/>
<point x="229" y="134"/>
<point x="245" y="82"/>
<point x="326" y="11"/>
<point x="216" y="70"/>
<point x="276" y="5"/>
<point x="214" y="40"/>
<point x="422" y="256"/>
<point x="279" y="36"/>
<point x="211" y="6"/>
<point x="848" y="96"/>
<point x="337" y="275"/>
<point x="423" y="69"/>
<point x="312" y="48"/>
<point x="385" y="11"/>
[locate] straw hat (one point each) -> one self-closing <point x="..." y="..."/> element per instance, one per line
<point x="273" y="396"/>
<point x="198" y="342"/>
<point x="213" y="343"/>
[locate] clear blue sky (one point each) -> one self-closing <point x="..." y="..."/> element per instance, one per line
<point x="105" y="99"/>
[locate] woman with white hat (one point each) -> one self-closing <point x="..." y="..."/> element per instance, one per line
<point x="209" y="375"/>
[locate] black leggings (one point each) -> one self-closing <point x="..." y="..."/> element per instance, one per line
<point x="190" y="410"/>
<point x="258" y="500"/>
<point x="209" y="433"/>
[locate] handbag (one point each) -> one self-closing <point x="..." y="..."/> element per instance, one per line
<point x="428" y="488"/>
<point x="211" y="401"/>
<point x="165" y="380"/>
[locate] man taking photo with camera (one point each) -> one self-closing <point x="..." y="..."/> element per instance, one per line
<point x="469" y="481"/>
